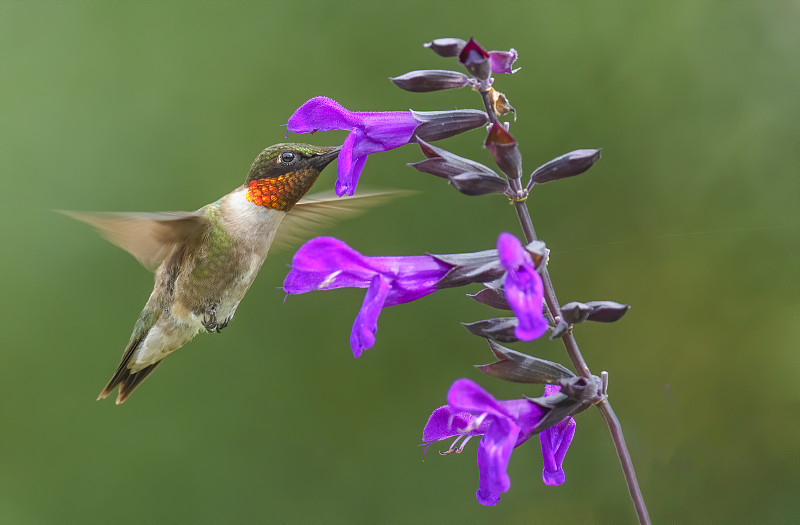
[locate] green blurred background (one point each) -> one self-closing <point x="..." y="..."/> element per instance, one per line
<point x="691" y="216"/>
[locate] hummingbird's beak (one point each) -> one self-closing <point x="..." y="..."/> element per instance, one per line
<point x="320" y="160"/>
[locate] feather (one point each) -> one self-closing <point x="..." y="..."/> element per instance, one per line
<point x="315" y="212"/>
<point x="150" y="237"/>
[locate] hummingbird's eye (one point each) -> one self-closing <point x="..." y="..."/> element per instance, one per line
<point x="287" y="157"/>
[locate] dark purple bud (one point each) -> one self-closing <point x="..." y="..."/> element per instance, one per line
<point x="476" y="267"/>
<point x="607" y="311"/>
<point x="567" y="165"/>
<point x="446" y="47"/>
<point x="499" y="328"/>
<point x="444" y="164"/>
<point x="492" y="296"/>
<point x="430" y="80"/>
<point x="599" y="311"/>
<point x="575" y="312"/>
<point x="437" y="125"/>
<point x="473" y="183"/>
<point x="521" y="368"/>
<point x="476" y="60"/>
<point x="504" y="149"/>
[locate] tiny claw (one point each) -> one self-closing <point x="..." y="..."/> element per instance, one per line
<point x="210" y="320"/>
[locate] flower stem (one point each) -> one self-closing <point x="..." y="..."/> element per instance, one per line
<point x="625" y="459"/>
<point x="571" y="345"/>
<point x="569" y="341"/>
<point x="583" y="369"/>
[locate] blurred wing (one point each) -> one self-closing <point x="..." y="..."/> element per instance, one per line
<point x="316" y="212"/>
<point x="149" y="237"/>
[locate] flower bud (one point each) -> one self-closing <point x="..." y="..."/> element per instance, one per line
<point x="521" y="368"/>
<point x="499" y="328"/>
<point x="437" y="125"/>
<point x="503" y="148"/>
<point x="575" y="312"/>
<point x="430" y="80"/>
<point x="567" y="165"/>
<point x="446" y="47"/>
<point x="467" y="176"/>
<point x="442" y="163"/>
<point x="473" y="184"/>
<point x="476" y="60"/>
<point x="466" y="268"/>
<point x="492" y="296"/>
<point x="607" y="311"/>
<point x="598" y="311"/>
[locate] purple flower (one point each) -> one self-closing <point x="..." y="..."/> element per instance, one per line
<point x="375" y="131"/>
<point x="503" y="60"/>
<point x="523" y="288"/>
<point x="504" y="425"/>
<point x="325" y="263"/>
<point x="370" y="132"/>
<point x="473" y="56"/>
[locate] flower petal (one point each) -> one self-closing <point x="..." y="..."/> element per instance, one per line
<point x="365" y="326"/>
<point x="320" y="114"/>
<point x="468" y="396"/>
<point x="555" y="443"/>
<point x="526" y="415"/>
<point x="446" y="422"/>
<point x="510" y="251"/>
<point x="524" y="293"/>
<point x="503" y="60"/>
<point x="493" y="455"/>
<point x="385" y="130"/>
<point x="523" y="288"/>
<point x="348" y="167"/>
<point x="325" y="263"/>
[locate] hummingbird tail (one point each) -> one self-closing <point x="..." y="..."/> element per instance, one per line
<point x="127" y="381"/>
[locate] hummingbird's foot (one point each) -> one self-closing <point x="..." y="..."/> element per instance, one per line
<point x="210" y="320"/>
<point x="223" y="324"/>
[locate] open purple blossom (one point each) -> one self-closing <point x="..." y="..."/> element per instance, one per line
<point x="504" y="425"/>
<point x="370" y="132"/>
<point x="376" y="131"/>
<point x="326" y="263"/>
<point x="523" y="288"/>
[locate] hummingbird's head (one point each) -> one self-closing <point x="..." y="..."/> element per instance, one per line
<point x="283" y="173"/>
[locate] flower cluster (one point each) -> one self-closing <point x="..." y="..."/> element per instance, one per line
<point x="511" y="273"/>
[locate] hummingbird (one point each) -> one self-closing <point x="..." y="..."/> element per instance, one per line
<point x="205" y="260"/>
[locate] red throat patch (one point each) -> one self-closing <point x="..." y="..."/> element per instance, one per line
<point x="275" y="193"/>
